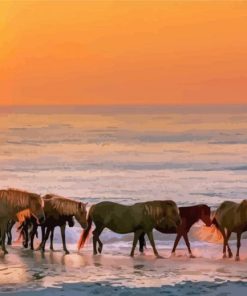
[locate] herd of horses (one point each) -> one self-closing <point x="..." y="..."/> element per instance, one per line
<point x="33" y="211"/>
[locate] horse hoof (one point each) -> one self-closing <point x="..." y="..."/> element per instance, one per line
<point x="224" y="256"/>
<point x="66" y="252"/>
<point x="5" y="252"/>
<point x="132" y="255"/>
<point x="159" y="257"/>
<point x="230" y="255"/>
<point x="192" y="256"/>
<point x="237" y="258"/>
<point x="173" y="254"/>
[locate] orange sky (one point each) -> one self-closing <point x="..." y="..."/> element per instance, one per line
<point x="121" y="52"/>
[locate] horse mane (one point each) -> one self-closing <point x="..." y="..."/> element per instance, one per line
<point x="16" y="198"/>
<point x="156" y="210"/>
<point x="65" y="206"/>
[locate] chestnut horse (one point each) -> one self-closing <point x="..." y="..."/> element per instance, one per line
<point x="189" y="215"/>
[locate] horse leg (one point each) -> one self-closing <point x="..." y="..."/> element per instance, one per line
<point x="151" y="239"/>
<point x="51" y="239"/>
<point x="47" y="233"/>
<point x="9" y="229"/>
<point x="42" y="237"/>
<point x="135" y="240"/>
<point x="63" y="238"/>
<point x="96" y="233"/>
<point x="142" y="242"/>
<point x="179" y="235"/>
<point x="185" y="236"/>
<point x="224" y="241"/>
<point x="100" y="243"/>
<point x="32" y="234"/>
<point x="25" y="236"/>
<point x="3" y="236"/>
<point x="228" y="247"/>
<point x="238" y="245"/>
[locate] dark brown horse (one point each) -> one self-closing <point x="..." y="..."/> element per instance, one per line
<point x="29" y="228"/>
<point x="189" y="216"/>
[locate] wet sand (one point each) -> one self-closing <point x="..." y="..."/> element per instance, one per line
<point x="23" y="272"/>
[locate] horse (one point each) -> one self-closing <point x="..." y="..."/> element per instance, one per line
<point x="13" y="201"/>
<point x="137" y="218"/>
<point x="61" y="221"/>
<point x="58" y="210"/>
<point x="189" y="216"/>
<point x="231" y="217"/>
<point x="21" y="217"/>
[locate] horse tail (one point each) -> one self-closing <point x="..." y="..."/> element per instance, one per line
<point x="215" y="223"/>
<point x="85" y="233"/>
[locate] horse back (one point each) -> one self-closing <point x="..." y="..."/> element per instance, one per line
<point x="119" y="218"/>
<point x="189" y="215"/>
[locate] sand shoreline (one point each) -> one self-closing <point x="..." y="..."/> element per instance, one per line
<point x="23" y="272"/>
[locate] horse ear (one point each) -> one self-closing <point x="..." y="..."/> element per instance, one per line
<point x="83" y="204"/>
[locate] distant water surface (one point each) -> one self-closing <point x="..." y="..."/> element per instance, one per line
<point x="127" y="154"/>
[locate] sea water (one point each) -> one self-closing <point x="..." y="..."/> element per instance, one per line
<point x="190" y="154"/>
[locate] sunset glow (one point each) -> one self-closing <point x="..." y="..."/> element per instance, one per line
<point x="123" y="52"/>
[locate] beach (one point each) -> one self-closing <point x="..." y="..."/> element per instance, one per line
<point x="191" y="156"/>
<point x="24" y="272"/>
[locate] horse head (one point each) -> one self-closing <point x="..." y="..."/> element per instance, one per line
<point x="205" y="214"/>
<point x="36" y="206"/>
<point x="81" y="214"/>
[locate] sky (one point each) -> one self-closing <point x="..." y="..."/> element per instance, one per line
<point x="123" y="52"/>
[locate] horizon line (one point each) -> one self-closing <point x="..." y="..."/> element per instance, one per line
<point x="124" y="109"/>
<point x="124" y="105"/>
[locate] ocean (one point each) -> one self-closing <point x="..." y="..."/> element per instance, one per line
<point x="127" y="154"/>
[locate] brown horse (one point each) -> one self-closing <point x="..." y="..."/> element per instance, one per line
<point x="13" y="201"/>
<point x="58" y="211"/>
<point x="189" y="215"/>
<point x="137" y="218"/>
<point x="231" y="217"/>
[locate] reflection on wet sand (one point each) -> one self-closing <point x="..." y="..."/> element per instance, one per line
<point x="27" y="270"/>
